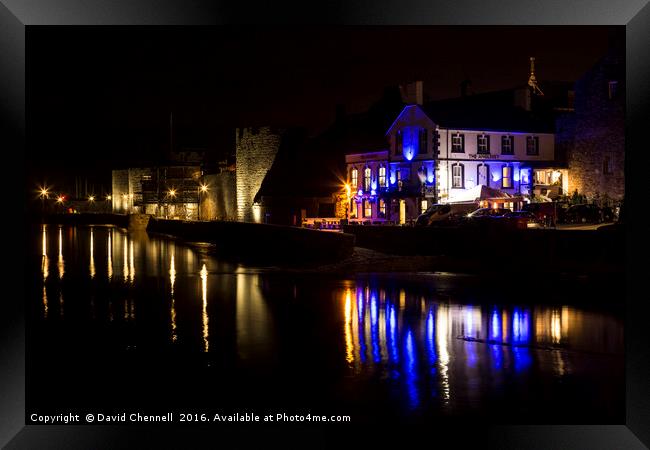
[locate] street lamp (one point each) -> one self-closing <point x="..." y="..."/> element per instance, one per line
<point x="202" y="188"/>
<point x="43" y="194"/>
<point x="170" y="193"/>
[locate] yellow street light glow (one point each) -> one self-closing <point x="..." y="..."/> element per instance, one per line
<point x="204" y="188"/>
<point x="60" y="199"/>
<point x="108" y="197"/>
<point x="44" y="192"/>
<point x="172" y="193"/>
<point x="348" y="190"/>
<point x="124" y="195"/>
<point x="91" y="198"/>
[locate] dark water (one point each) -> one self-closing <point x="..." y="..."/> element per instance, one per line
<point x="135" y="321"/>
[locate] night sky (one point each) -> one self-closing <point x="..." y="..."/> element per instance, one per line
<point x="100" y="97"/>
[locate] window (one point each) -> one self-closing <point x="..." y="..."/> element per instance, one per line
<point x="366" y="178"/>
<point x="367" y="208"/>
<point x="382" y="176"/>
<point x="354" y="178"/>
<point x="482" y="174"/>
<point x="612" y="86"/>
<point x="424" y="136"/>
<point x="424" y="204"/>
<point x="458" y="143"/>
<point x="532" y="145"/>
<point x="507" y="147"/>
<point x="457" y="176"/>
<point x="382" y="208"/>
<point x="483" y="144"/>
<point x="506" y="177"/>
<point x="607" y="165"/>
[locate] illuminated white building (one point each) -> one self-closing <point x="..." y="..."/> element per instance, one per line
<point x="437" y="152"/>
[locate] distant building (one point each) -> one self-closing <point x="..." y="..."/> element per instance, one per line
<point x="169" y="190"/>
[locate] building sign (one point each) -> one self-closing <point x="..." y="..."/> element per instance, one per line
<point x="430" y="191"/>
<point x="483" y="156"/>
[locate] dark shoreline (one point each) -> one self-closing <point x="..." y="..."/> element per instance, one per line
<point x="569" y="254"/>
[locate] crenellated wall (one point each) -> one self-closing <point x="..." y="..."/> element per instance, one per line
<point x="255" y="151"/>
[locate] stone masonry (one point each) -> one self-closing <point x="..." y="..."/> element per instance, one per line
<point x="596" y="157"/>
<point x="255" y="151"/>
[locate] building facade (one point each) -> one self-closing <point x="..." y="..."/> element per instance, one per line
<point x="172" y="190"/>
<point x="426" y="162"/>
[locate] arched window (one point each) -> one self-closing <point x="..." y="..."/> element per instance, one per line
<point x="457" y="176"/>
<point x="366" y="178"/>
<point x="354" y="178"/>
<point x="382" y="176"/>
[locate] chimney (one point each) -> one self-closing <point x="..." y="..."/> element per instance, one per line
<point x="465" y="88"/>
<point x="412" y="93"/>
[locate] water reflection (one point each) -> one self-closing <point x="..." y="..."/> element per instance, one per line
<point x="92" y="254"/>
<point x="426" y="347"/>
<point x="172" y="279"/>
<point x="204" y="298"/>
<point x="109" y="255"/>
<point x="483" y="339"/>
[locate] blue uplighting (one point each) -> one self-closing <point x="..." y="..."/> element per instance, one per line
<point x="410" y="368"/>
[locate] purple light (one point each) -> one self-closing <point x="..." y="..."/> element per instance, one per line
<point x="360" y="192"/>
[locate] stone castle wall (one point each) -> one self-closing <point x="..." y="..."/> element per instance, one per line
<point x="599" y="133"/>
<point x="255" y="151"/>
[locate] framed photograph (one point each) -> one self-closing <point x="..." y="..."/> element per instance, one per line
<point x="244" y="223"/>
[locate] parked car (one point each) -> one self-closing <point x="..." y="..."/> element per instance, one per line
<point x="443" y="214"/>
<point x="583" y="214"/>
<point x="547" y="213"/>
<point x="488" y="212"/>
<point x="524" y="219"/>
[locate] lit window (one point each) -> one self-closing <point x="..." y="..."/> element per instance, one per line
<point x="366" y="178"/>
<point x="423" y="206"/>
<point x="382" y="176"/>
<point x="458" y="143"/>
<point x="506" y="145"/>
<point x="382" y="208"/>
<point x="367" y="208"/>
<point x="457" y="176"/>
<point x="483" y="144"/>
<point x="506" y="177"/>
<point x="354" y="178"/>
<point x="532" y="145"/>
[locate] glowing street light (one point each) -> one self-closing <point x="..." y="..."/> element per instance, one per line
<point x="109" y="197"/>
<point x="172" y="192"/>
<point x="91" y="198"/>
<point x="60" y="199"/>
<point x="44" y="193"/>
<point x="348" y="193"/>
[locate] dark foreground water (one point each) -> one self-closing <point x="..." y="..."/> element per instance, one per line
<point x="121" y="322"/>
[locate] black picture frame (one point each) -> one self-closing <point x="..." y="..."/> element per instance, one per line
<point x="15" y="15"/>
